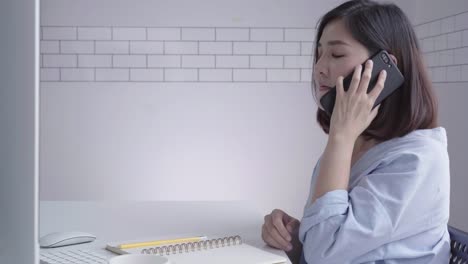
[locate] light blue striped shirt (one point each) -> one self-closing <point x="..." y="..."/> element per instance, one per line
<point x="396" y="209"/>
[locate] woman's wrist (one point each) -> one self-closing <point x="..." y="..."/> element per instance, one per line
<point x="342" y="140"/>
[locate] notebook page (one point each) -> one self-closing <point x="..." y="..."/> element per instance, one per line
<point x="244" y="254"/>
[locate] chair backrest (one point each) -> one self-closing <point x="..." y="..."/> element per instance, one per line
<point x="458" y="246"/>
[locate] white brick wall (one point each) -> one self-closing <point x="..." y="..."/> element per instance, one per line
<point x="95" y="61"/>
<point x="181" y="48"/>
<point x="307" y="48"/>
<point x="460" y="56"/>
<point x="446" y="58"/>
<point x="112" y="75"/>
<point x="146" y="47"/>
<point x="454" y="73"/>
<point x="464" y="73"/>
<point x="266" y="62"/>
<point x="164" y="61"/>
<point x="224" y="34"/>
<point x="59" y="61"/>
<point x="249" y="75"/>
<point x="146" y="75"/>
<point x="50" y="74"/>
<point x="94" y="33"/>
<point x="112" y="47"/>
<point x="77" y="47"/>
<point x="279" y="75"/>
<point x="232" y="61"/>
<point x="444" y="43"/>
<point x="298" y="62"/>
<point x="215" y="47"/>
<point x="181" y="75"/>
<point x="465" y="38"/>
<point x="299" y="34"/>
<point x="448" y="24"/>
<point x="215" y="75"/>
<point x="461" y="21"/>
<point x="454" y="40"/>
<point x="77" y="74"/>
<point x="50" y="46"/>
<point x="179" y="54"/>
<point x="284" y="48"/>
<point x="196" y="61"/>
<point x="129" y="61"/>
<point x="306" y="75"/>
<point x="267" y="34"/>
<point x="164" y="33"/>
<point x="249" y="48"/>
<point x="439" y="74"/>
<point x="198" y="34"/>
<point x="59" y="33"/>
<point x="129" y="33"/>
<point x="440" y="42"/>
<point x="240" y="54"/>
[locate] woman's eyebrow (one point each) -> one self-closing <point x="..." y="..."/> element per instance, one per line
<point x="334" y="42"/>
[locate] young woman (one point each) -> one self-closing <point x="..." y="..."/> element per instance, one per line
<point x="380" y="191"/>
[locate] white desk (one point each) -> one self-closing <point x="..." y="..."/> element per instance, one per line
<point x="127" y="220"/>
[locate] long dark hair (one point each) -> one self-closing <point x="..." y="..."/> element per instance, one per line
<point x="385" y="26"/>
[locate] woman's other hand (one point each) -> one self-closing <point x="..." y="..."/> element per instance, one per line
<point x="280" y="231"/>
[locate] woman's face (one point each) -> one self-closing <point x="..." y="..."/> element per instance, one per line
<point x="338" y="54"/>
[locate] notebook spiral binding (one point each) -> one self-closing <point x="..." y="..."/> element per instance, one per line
<point x="192" y="246"/>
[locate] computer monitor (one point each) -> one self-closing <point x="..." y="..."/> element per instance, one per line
<point x="19" y="70"/>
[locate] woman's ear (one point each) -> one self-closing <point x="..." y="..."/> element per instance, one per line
<point x="394" y="59"/>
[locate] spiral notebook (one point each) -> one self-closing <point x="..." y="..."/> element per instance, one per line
<point x="226" y="250"/>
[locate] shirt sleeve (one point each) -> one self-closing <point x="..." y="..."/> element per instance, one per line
<point x="386" y="205"/>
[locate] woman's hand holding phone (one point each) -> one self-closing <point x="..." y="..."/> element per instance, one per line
<point x="353" y="112"/>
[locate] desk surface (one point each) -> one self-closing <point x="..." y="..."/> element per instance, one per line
<point x="129" y="220"/>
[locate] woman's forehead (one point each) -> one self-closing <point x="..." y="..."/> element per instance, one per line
<point x="336" y="33"/>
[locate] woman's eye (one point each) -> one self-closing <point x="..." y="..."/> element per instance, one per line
<point x="337" y="56"/>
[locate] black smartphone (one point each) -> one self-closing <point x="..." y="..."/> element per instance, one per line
<point x="381" y="61"/>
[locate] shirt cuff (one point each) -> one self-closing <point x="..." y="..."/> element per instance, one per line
<point x="330" y="204"/>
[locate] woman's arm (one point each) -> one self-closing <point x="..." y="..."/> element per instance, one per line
<point x="351" y="115"/>
<point x="335" y="166"/>
<point x="405" y="199"/>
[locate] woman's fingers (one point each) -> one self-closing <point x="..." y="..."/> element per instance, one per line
<point x="292" y="225"/>
<point x="268" y="239"/>
<point x="356" y="80"/>
<point x="275" y="238"/>
<point x="379" y="86"/>
<point x="275" y="231"/>
<point x="339" y="87"/>
<point x="366" y="77"/>
<point x="277" y="217"/>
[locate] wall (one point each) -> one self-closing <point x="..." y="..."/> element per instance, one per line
<point x="210" y="101"/>
<point x="145" y="100"/>
<point x="442" y="28"/>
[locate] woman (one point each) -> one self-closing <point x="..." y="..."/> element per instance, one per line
<point x="380" y="191"/>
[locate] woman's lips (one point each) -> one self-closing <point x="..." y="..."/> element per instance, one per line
<point x="324" y="88"/>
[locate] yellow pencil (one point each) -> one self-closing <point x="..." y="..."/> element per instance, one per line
<point x="162" y="242"/>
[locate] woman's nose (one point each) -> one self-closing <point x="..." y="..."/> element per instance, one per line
<point x="320" y="67"/>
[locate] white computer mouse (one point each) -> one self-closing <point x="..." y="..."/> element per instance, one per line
<point x="60" y="239"/>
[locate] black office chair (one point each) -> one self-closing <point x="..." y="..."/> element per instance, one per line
<point x="458" y="246"/>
